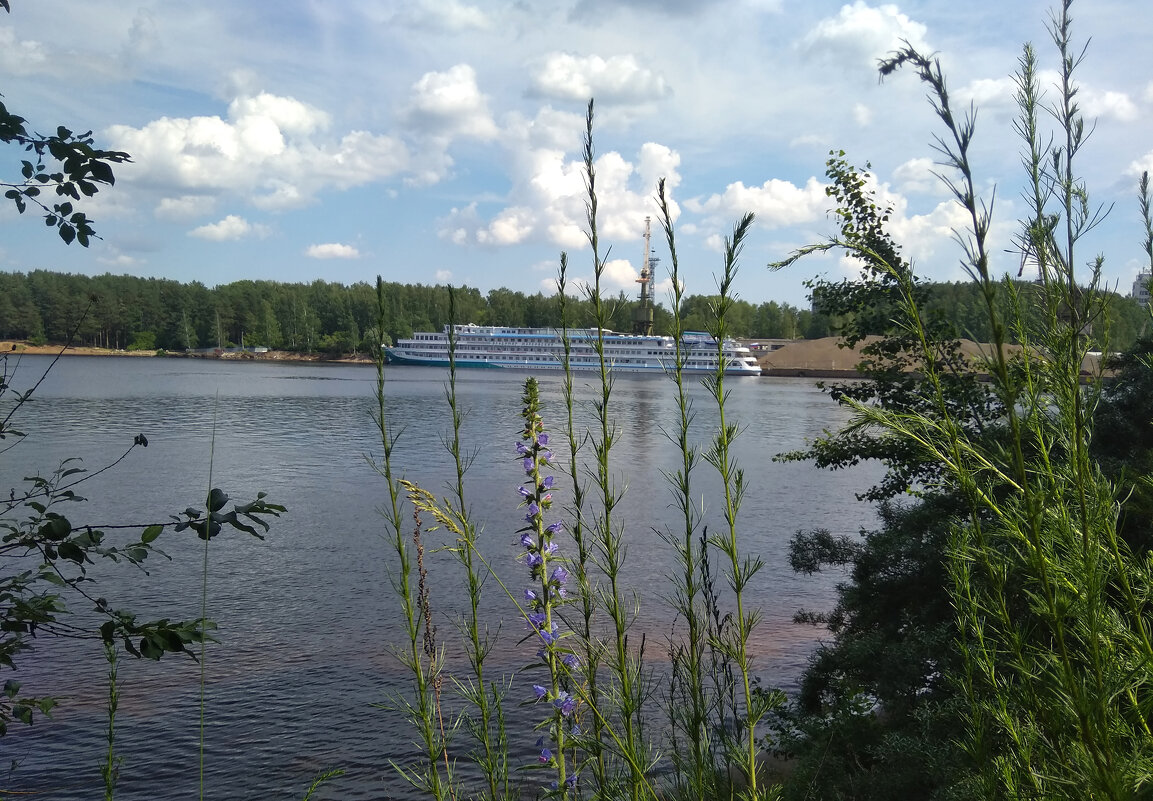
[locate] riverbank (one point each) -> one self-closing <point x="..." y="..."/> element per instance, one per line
<point x="17" y="348"/>
<point x="802" y="358"/>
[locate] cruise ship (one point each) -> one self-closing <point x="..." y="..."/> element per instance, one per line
<point x="543" y="349"/>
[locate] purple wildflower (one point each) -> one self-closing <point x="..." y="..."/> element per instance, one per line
<point x="536" y="619"/>
<point x="547" y="483"/>
<point x="541" y="692"/>
<point x="528" y="464"/>
<point x="529" y="596"/>
<point x="545" y="756"/>
<point x="525" y="492"/>
<point x="535" y="560"/>
<point x="523" y="449"/>
<point x="542" y="439"/>
<point x="550" y="548"/>
<point x="565" y="703"/>
<point x="570" y="660"/>
<point x="527" y="540"/>
<point x="559" y="575"/>
<point x="556" y="527"/>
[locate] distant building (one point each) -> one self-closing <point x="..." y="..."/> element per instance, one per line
<point x="1141" y="288"/>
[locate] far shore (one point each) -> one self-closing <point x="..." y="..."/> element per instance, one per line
<point x="18" y="347"/>
<point x="802" y="358"/>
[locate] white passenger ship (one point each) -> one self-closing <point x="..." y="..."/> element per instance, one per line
<point x="542" y="349"/>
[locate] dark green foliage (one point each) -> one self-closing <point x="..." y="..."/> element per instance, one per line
<point x="62" y="167"/>
<point x="876" y="717"/>
<point x="322" y="316"/>
<point x="1123" y="441"/>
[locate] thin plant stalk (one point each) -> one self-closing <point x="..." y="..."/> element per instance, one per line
<point x="204" y="606"/>
<point x="741" y="571"/>
<point x="592" y="650"/>
<point x="490" y="736"/>
<point x="695" y="767"/>
<point x="110" y="770"/>
<point x="626" y="668"/>
<point x="419" y="654"/>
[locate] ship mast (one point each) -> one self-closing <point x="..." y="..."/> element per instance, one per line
<point x="643" y="314"/>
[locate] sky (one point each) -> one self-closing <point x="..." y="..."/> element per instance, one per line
<point x="439" y="141"/>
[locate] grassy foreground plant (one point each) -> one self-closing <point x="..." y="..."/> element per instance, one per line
<point x="1055" y="651"/>
<point x="589" y="674"/>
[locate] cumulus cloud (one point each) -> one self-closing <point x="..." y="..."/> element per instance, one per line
<point x="617" y="79"/>
<point x="449" y="103"/>
<point x="443" y="276"/>
<point x="916" y="175"/>
<point x="860" y="33"/>
<point x="776" y="203"/>
<point x="332" y="250"/>
<point x="1108" y="104"/>
<point x="230" y="228"/>
<point x="549" y="195"/>
<point x="989" y="93"/>
<point x="1143" y="164"/>
<point x="271" y="150"/>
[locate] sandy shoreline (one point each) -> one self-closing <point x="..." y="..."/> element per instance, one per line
<point x="10" y="347"/>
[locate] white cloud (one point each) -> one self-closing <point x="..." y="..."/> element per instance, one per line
<point x="810" y="140"/>
<point x="114" y="258"/>
<point x="916" y="175"/>
<point x="1148" y="96"/>
<point x="20" y="57"/>
<point x="332" y="250"/>
<point x="617" y="79"/>
<point x="776" y="203"/>
<point x="184" y="207"/>
<point x="230" y="228"/>
<point x="548" y="193"/>
<point x="444" y="15"/>
<point x="443" y="276"/>
<point x="862" y="114"/>
<point x="1108" y="104"/>
<point x="861" y="33"/>
<point x="1142" y="164"/>
<point x="270" y="150"/>
<point x="448" y="104"/>
<point x="996" y="93"/>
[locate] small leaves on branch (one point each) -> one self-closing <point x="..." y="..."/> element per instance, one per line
<point x="65" y="163"/>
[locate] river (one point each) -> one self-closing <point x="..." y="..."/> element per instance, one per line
<point x="307" y="618"/>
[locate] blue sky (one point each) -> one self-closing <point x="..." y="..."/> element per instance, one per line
<point x="438" y="141"/>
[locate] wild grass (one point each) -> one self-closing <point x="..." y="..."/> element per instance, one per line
<point x="603" y="703"/>
<point x="1052" y="605"/>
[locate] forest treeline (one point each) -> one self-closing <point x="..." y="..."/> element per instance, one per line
<point x="129" y="312"/>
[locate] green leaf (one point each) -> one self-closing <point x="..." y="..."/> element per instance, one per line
<point x="216" y="500"/>
<point x="69" y="550"/>
<point x="67" y="233"/>
<point x="151" y="533"/>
